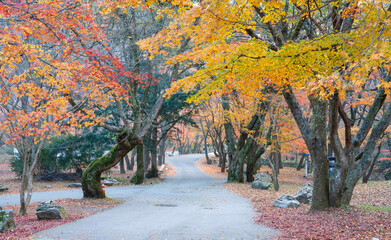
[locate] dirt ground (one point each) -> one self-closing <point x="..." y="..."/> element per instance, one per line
<point x="75" y="209"/>
<point x="368" y="216"/>
<point x="10" y="180"/>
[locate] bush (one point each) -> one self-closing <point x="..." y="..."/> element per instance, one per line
<point x="387" y="176"/>
<point x="72" y="152"/>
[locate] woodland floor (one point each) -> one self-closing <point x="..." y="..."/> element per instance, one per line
<point x="368" y="217"/>
<point x="10" y="180"/>
<point x="75" y="208"/>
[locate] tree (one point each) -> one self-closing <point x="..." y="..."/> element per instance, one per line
<point x="297" y="48"/>
<point x="52" y="53"/>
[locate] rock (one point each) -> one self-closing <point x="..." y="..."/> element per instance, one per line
<point x="110" y="182"/>
<point x="49" y="210"/>
<point x="74" y="185"/>
<point x="304" y="195"/>
<point x="263" y="177"/>
<point x="3" y="189"/>
<point x="7" y="221"/>
<point x="48" y="186"/>
<point x="286" y="201"/>
<point x="260" y="185"/>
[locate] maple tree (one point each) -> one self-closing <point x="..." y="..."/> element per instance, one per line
<point x="322" y="49"/>
<point x="52" y="52"/>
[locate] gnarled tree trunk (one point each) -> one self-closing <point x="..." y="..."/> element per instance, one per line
<point x="91" y="184"/>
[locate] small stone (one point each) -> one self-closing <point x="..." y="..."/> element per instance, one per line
<point x="74" y="185"/>
<point x="50" y="210"/>
<point x="286" y="201"/>
<point x="48" y="186"/>
<point x="304" y="195"/>
<point x="110" y="182"/>
<point x="261" y="185"/>
<point x="264" y="177"/>
<point x="7" y="221"/>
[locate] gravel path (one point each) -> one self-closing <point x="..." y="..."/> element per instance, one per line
<point x="189" y="205"/>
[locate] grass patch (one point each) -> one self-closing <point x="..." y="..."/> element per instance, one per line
<point x="375" y="208"/>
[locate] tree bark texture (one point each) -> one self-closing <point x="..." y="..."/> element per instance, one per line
<point x="91" y="182"/>
<point x="138" y="176"/>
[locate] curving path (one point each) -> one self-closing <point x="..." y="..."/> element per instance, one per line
<point x="189" y="205"/>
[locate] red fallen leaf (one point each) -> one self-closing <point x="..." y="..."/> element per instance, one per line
<point x="75" y="208"/>
<point x="299" y="223"/>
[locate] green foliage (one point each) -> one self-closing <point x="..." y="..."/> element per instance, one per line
<point x="172" y="109"/>
<point x="72" y="152"/>
<point x="291" y="164"/>
<point x="6" y="150"/>
<point x="387" y="176"/>
<point x="375" y="208"/>
<point x="6" y="154"/>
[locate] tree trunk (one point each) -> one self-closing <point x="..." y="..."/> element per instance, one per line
<point x="280" y="164"/>
<point x="301" y="163"/>
<point x="122" y="166"/>
<point x="229" y="132"/>
<point x="154" y="172"/>
<point x="138" y="176"/>
<point x="243" y="146"/>
<point x="315" y="138"/>
<point x="205" y="137"/>
<point x="127" y="161"/>
<point x="134" y="151"/>
<point x="146" y="157"/>
<point x="350" y="168"/>
<point x="208" y="161"/>
<point x="162" y="151"/>
<point x="28" y="173"/>
<point x="369" y="172"/>
<point x="251" y="160"/>
<point x="91" y="184"/>
<point x="273" y="163"/>
<point x="222" y="158"/>
<point x="318" y="151"/>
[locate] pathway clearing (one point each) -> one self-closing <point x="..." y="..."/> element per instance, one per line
<point x="189" y="205"/>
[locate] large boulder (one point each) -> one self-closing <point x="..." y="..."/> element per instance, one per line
<point x="7" y="221"/>
<point x="49" y="210"/>
<point x="260" y="185"/>
<point x="3" y="189"/>
<point x="304" y="195"/>
<point x="74" y="185"/>
<point x="263" y="177"/>
<point x="286" y="201"/>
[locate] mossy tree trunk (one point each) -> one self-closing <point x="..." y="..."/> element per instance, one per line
<point x="138" y="176"/>
<point x="235" y="174"/>
<point x="91" y="184"/>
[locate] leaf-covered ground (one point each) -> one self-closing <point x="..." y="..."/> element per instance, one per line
<point x="369" y="215"/>
<point x="10" y="180"/>
<point x="75" y="208"/>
